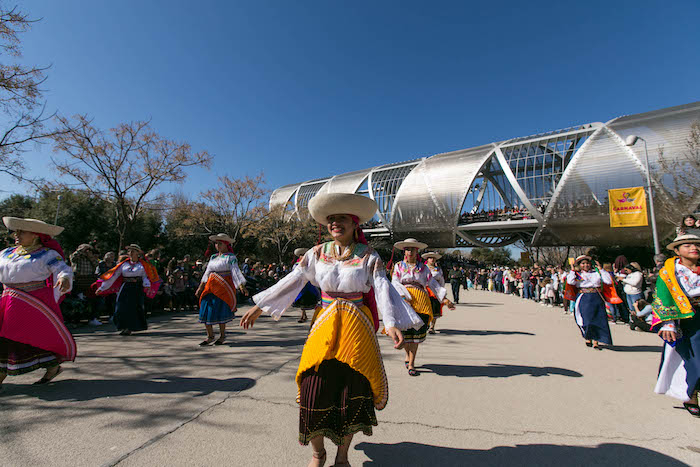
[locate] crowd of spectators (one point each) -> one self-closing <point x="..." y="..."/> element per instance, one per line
<point x="491" y="215"/>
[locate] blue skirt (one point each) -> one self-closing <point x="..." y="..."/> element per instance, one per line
<point x="689" y="349"/>
<point x="592" y="318"/>
<point x="129" y="313"/>
<point x="213" y="310"/>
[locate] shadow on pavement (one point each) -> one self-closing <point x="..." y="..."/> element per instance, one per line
<point x="519" y="455"/>
<point x="479" y="305"/>
<point x="458" y="332"/>
<point x="92" y="389"/>
<point x="497" y="370"/>
<point x="636" y="348"/>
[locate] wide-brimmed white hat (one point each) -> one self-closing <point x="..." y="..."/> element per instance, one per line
<point x="681" y="239"/>
<point x="221" y="237"/>
<point x="32" y="225"/>
<point x="300" y="251"/>
<point x="410" y="243"/>
<point x="431" y="254"/>
<point x="581" y="258"/>
<point x="326" y="204"/>
<point x="133" y="246"/>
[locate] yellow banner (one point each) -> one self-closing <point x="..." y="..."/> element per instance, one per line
<point x="628" y="207"/>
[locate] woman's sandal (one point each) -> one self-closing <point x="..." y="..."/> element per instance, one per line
<point x="321" y="455"/>
<point x="220" y="341"/>
<point x="45" y="380"/>
<point x="206" y="342"/>
<point x="412" y="372"/>
<point x="693" y="409"/>
<point x="589" y="344"/>
<point x="406" y="365"/>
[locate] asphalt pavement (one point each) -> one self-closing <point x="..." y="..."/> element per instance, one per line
<point x="504" y="382"/>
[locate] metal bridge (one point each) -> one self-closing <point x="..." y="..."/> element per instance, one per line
<point x="545" y="189"/>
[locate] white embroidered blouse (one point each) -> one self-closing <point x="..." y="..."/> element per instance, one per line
<point x="437" y="275"/>
<point x="225" y="263"/>
<point x="588" y="280"/>
<point x="33" y="267"/>
<point x="405" y="274"/>
<point x="127" y="269"/>
<point x="357" y="269"/>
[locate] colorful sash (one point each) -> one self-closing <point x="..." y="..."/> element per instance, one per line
<point x="151" y="273"/>
<point x="221" y="285"/>
<point x="670" y="301"/>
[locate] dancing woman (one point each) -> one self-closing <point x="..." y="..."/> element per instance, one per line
<point x="412" y="279"/>
<point x="132" y="280"/>
<point x="589" y="308"/>
<point x="676" y="309"/>
<point x="217" y="290"/>
<point x="431" y="258"/>
<point x="34" y="275"/>
<point x="341" y="378"/>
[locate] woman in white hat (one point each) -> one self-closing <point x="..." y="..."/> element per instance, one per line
<point x="341" y="377"/>
<point x="589" y="308"/>
<point x="217" y="289"/>
<point x="132" y="280"/>
<point x="412" y="279"/>
<point x="34" y="275"/>
<point x="309" y="296"/>
<point x="431" y="258"/>
<point x="676" y="315"/>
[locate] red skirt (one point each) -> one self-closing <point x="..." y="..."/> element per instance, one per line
<point x="32" y="331"/>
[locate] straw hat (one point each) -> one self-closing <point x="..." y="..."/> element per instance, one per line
<point x="682" y="239"/>
<point x="581" y="258"/>
<point x="221" y="237"/>
<point x="133" y="246"/>
<point x="323" y="205"/>
<point x="300" y="251"/>
<point x="31" y="225"/>
<point x="410" y="243"/>
<point x="431" y="254"/>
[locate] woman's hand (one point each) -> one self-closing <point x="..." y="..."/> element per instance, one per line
<point x="396" y="336"/>
<point x="243" y="290"/>
<point x="668" y="336"/>
<point x="199" y="290"/>
<point x="449" y="304"/>
<point x="249" y="318"/>
<point x="63" y="285"/>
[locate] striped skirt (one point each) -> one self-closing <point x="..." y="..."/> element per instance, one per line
<point x="420" y="301"/>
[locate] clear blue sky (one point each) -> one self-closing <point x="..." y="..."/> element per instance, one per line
<point x="312" y="88"/>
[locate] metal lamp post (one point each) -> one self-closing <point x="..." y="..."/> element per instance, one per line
<point x="630" y="141"/>
<point x="58" y="206"/>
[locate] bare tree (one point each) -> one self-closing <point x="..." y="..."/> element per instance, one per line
<point x="281" y="233"/>
<point x="238" y="203"/>
<point x="126" y="165"/>
<point x="683" y="172"/>
<point x="24" y="118"/>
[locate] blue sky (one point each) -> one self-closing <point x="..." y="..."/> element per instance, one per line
<point x="308" y="89"/>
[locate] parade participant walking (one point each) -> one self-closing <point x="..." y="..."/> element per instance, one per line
<point x="412" y="278"/>
<point x="132" y="280"/>
<point x="431" y="261"/>
<point x="34" y="275"/>
<point x="217" y="289"/>
<point x="341" y="377"/>
<point x="456" y="277"/>
<point x="309" y="295"/>
<point x="676" y="309"/>
<point x="589" y="309"/>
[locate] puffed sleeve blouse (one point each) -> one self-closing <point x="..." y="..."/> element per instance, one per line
<point x="224" y="263"/>
<point x="405" y="274"/>
<point x="590" y="279"/>
<point x="33" y="267"/>
<point x="437" y="275"/>
<point x="127" y="269"/>
<point x="356" y="269"/>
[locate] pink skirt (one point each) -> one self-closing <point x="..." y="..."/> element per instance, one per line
<point x="34" y="319"/>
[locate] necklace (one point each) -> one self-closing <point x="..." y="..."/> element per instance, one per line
<point x="25" y="250"/>
<point x="347" y="253"/>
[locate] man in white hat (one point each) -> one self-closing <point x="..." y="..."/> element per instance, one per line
<point x="676" y="309"/>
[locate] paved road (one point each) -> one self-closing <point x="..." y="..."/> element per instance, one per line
<point x="506" y="382"/>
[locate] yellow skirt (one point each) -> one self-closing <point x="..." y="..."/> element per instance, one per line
<point x="345" y="332"/>
<point x="420" y="301"/>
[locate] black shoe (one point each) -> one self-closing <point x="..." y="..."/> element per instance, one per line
<point x="632" y="327"/>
